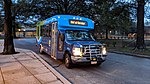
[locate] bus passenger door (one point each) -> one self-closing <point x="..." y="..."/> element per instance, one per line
<point x="60" y="45"/>
<point x="54" y="40"/>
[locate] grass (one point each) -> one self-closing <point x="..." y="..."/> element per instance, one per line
<point x="127" y="45"/>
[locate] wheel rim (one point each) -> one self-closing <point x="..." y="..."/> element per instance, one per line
<point x="67" y="60"/>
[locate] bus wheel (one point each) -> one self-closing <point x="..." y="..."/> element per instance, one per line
<point x="41" y="49"/>
<point x="68" y="62"/>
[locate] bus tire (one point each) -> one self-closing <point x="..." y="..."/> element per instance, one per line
<point x="68" y="62"/>
<point x="40" y="50"/>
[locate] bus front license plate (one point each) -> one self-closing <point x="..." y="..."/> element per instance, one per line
<point x="93" y="62"/>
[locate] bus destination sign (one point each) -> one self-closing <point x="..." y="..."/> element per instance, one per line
<point x="78" y="22"/>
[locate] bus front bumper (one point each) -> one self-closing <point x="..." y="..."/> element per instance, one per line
<point x="88" y="60"/>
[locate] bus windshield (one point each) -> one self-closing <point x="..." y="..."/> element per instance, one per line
<point x="78" y="35"/>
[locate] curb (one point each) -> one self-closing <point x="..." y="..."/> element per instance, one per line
<point x="57" y="74"/>
<point x="131" y="54"/>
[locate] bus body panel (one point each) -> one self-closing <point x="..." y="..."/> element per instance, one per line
<point x="46" y="45"/>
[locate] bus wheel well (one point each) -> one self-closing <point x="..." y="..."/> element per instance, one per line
<point x="66" y="52"/>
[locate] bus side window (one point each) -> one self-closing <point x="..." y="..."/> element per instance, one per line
<point x="50" y="28"/>
<point x="43" y="30"/>
<point x="47" y="30"/>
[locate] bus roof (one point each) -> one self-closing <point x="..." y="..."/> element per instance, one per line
<point x="70" y="21"/>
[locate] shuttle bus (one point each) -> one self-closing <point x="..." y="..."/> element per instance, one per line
<point x="68" y="38"/>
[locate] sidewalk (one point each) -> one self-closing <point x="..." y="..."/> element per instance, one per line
<point x="26" y="67"/>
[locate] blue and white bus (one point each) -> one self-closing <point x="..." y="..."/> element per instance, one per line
<point x="68" y="38"/>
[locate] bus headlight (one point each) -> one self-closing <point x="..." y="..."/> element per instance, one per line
<point x="77" y="52"/>
<point x="104" y="51"/>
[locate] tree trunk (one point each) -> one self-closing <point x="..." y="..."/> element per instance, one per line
<point x="140" y="44"/>
<point x="8" y="40"/>
<point x="106" y="33"/>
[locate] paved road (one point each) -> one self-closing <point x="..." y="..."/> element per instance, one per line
<point x="117" y="69"/>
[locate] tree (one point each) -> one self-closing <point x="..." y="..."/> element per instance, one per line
<point x="140" y="44"/>
<point x="1" y="23"/>
<point x="43" y="9"/>
<point x="8" y="40"/>
<point x="1" y="17"/>
<point x="17" y="9"/>
<point x="48" y="8"/>
<point x="53" y="7"/>
<point x="110" y="15"/>
<point x="68" y="6"/>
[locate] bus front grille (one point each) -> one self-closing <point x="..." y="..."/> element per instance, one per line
<point x="92" y="50"/>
